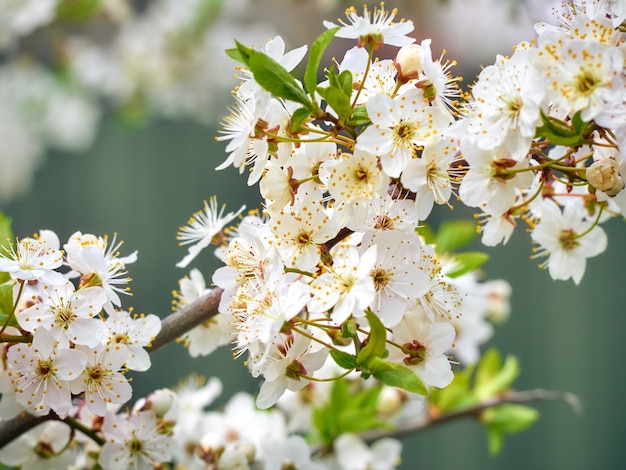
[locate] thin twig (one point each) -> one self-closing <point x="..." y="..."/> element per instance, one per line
<point x="474" y="411"/>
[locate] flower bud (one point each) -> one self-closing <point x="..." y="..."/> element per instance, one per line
<point x="605" y="175"/>
<point x="409" y="62"/>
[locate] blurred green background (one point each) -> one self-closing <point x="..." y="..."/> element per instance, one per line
<point x="143" y="183"/>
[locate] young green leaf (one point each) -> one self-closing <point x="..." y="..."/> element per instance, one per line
<point x="315" y="57"/>
<point x="344" y="81"/>
<point x="298" y="118"/>
<point x="375" y="347"/>
<point x="348" y="410"/>
<point x="6" y="302"/>
<point x="493" y="377"/>
<point x="343" y="359"/>
<point x="559" y="132"/>
<point x="466" y="262"/>
<point x="359" y="116"/>
<point x="506" y="419"/>
<point x="454" y="234"/>
<point x="337" y="100"/>
<point x="272" y="76"/>
<point x="396" y="375"/>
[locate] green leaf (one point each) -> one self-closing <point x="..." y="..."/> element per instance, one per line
<point x="337" y="100"/>
<point x="559" y="132"/>
<point x="272" y="76"/>
<point x="359" y="116"/>
<point x="511" y="418"/>
<point x="495" y="441"/>
<point x="348" y="409"/>
<point x="467" y="262"/>
<point x="343" y="359"/>
<point x="493" y="377"/>
<point x="344" y="82"/>
<point x="454" y="234"/>
<point x="6" y="302"/>
<point x="299" y="117"/>
<point x="78" y="11"/>
<point x="315" y="57"/>
<point x="457" y="394"/>
<point x="396" y="375"/>
<point x="375" y="347"/>
<point x="235" y="54"/>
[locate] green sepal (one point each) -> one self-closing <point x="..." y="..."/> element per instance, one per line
<point x="343" y="359"/>
<point x="466" y="262"/>
<point x="270" y="75"/>
<point x="454" y="234"/>
<point x="396" y="375"/>
<point x="315" y="57"/>
<point x="558" y="132"/>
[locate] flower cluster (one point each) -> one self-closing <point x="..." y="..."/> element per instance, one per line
<point x="340" y="274"/>
<point x="334" y="276"/>
<point x="66" y="344"/>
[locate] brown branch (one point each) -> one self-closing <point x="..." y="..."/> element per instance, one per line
<point x="424" y="423"/>
<point x="187" y="318"/>
<point x="172" y="327"/>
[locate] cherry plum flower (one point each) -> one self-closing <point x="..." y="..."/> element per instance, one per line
<point x="133" y="441"/>
<point x="398" y="125"/>
<point x="69" y="315"/>
<point x="567" y="239"/>
<point x="374" y="27"/>
<point x="132" y="335"/>
<point x="203" y="227"/>
<point x="41" y="374"/>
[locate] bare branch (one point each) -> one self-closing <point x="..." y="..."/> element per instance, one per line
<point x="422" y="424"/>
<point x="187" y="318"/>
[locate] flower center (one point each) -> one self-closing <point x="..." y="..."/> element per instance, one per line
<point x="568" y="239"/>
<point x="64" y="316"/>
<point x="404" y="132"/>
<point x="415" y="353"/>
<point x="586" y="83"/>
<point x="380" y="277"/>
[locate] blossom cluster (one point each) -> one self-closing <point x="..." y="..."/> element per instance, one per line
<point x="349" y="168"/>
<point x="333" y="277"/>
<point x="66" y="344"/>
